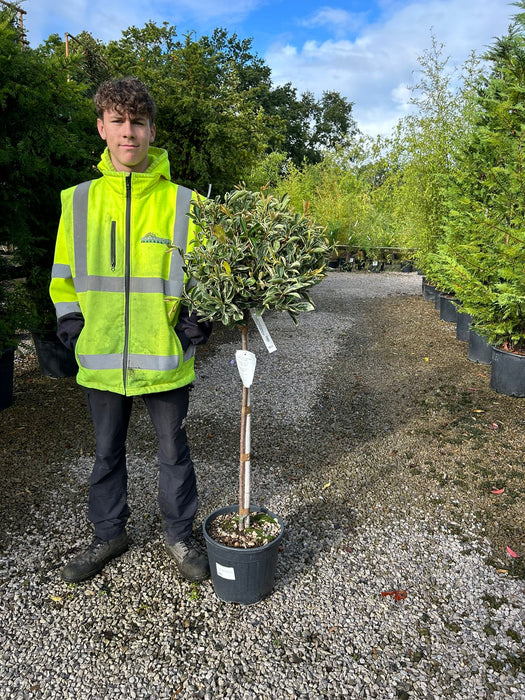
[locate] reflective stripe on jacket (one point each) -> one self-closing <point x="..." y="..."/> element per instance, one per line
<point x="112" y="265"/>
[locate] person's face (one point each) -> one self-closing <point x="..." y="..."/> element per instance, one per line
<point x="128" y="137"/>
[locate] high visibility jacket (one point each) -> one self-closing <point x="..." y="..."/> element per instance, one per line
<point x="112" y="266"/>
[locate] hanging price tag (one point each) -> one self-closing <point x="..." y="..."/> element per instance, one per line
<point x="261" y="327"/>
<point x="246" y="361"/>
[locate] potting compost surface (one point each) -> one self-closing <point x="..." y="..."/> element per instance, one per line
<point x="398" y="474"/>
<point x="261" y="529"/>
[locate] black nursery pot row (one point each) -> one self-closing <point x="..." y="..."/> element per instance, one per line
<point x="507" y="375"/>
<point x="353" y="259"/>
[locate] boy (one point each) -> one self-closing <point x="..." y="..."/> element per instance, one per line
<point x="110" y="279"/>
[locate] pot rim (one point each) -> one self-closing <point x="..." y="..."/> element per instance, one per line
<point x="508" y="352"/>
<point x="229" y="509"/>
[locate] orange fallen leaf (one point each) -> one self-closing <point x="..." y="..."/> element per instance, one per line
<point x="497" y="492"/>
<point x="512" y="554"/>
<point x="398" y="595"/>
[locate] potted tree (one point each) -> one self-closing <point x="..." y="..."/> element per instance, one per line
<point x="252" y="254"/>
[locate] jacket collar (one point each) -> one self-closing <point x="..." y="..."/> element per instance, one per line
<point x="142" y="183"/>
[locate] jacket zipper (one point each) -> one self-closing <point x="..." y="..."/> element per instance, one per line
<point x="113" y="245"/>
<point x="127" y="280"/>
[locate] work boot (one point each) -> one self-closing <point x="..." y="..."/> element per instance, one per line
<point x="189" y="558"/>
<point x="94" y="558"/>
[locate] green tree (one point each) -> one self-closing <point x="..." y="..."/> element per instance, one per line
<point x="208" y="119"/>
<point x="46" y="144"/>
<point x="421" y="154"/>
<point x="308" y="126"/>
<point x="343" y="196"/>
<point x="484" y="247"/>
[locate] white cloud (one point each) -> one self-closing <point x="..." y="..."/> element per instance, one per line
<point x="374" y="69"/>
<point x="367" y="63"/>
<point x="106" y="20"/>
<point x="339" y="21"/>
<point x="103" y="19"/>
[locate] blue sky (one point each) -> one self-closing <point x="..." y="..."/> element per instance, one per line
<point x="366" y="50"/>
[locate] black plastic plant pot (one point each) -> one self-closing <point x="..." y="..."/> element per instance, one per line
<point x="507" y="373"/>
<point x="7" y="359"/>
<point x="448" y="311"/>
<point x="429" y="291"/>
<point x="54" y="359"/>
<point x="463" y="326"/>
<point x="243" y="576"/>
<point x="478" y="348"/>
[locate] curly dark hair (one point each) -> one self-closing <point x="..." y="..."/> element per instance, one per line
<point x="126" y="96"/>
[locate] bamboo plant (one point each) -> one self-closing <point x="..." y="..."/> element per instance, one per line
<point x="252" y="254"/>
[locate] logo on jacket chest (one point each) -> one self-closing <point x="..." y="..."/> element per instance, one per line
<point x="153" y="238"/>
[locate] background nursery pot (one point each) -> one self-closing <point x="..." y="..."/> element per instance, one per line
<point x="54" y="359"/>
<point x="428" y="290"/>
<point x="463" y="326"/>
<point x="448" y="311"/>
<point x="479" y="349"/>
<point x="507" y="373"/>
<point x="7" y="359"/>
<point x="242" y="575"/>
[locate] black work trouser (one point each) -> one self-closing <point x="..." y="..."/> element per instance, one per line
<point x="177" y="489"/>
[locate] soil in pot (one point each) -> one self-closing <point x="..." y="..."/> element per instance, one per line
<point x="263" y="528"/>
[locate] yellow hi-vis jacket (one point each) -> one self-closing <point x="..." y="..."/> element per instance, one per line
<point x="112" y="266"/>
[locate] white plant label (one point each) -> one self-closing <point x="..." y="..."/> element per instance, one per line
<point x="227" y="572"/>
<point x="261" y="327"/>
<point x="246" y="362"/>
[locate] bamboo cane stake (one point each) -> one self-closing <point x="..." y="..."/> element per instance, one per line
<point x="244" y="466"/>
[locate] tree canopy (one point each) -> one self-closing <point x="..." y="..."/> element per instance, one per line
<point x="218" y="111"/>
<point x="46" y="144"/>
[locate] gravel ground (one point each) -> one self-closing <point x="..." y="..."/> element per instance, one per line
<point x="376" y="441"/>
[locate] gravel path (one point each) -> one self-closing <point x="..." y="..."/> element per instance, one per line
<point x="345" y="449"/>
